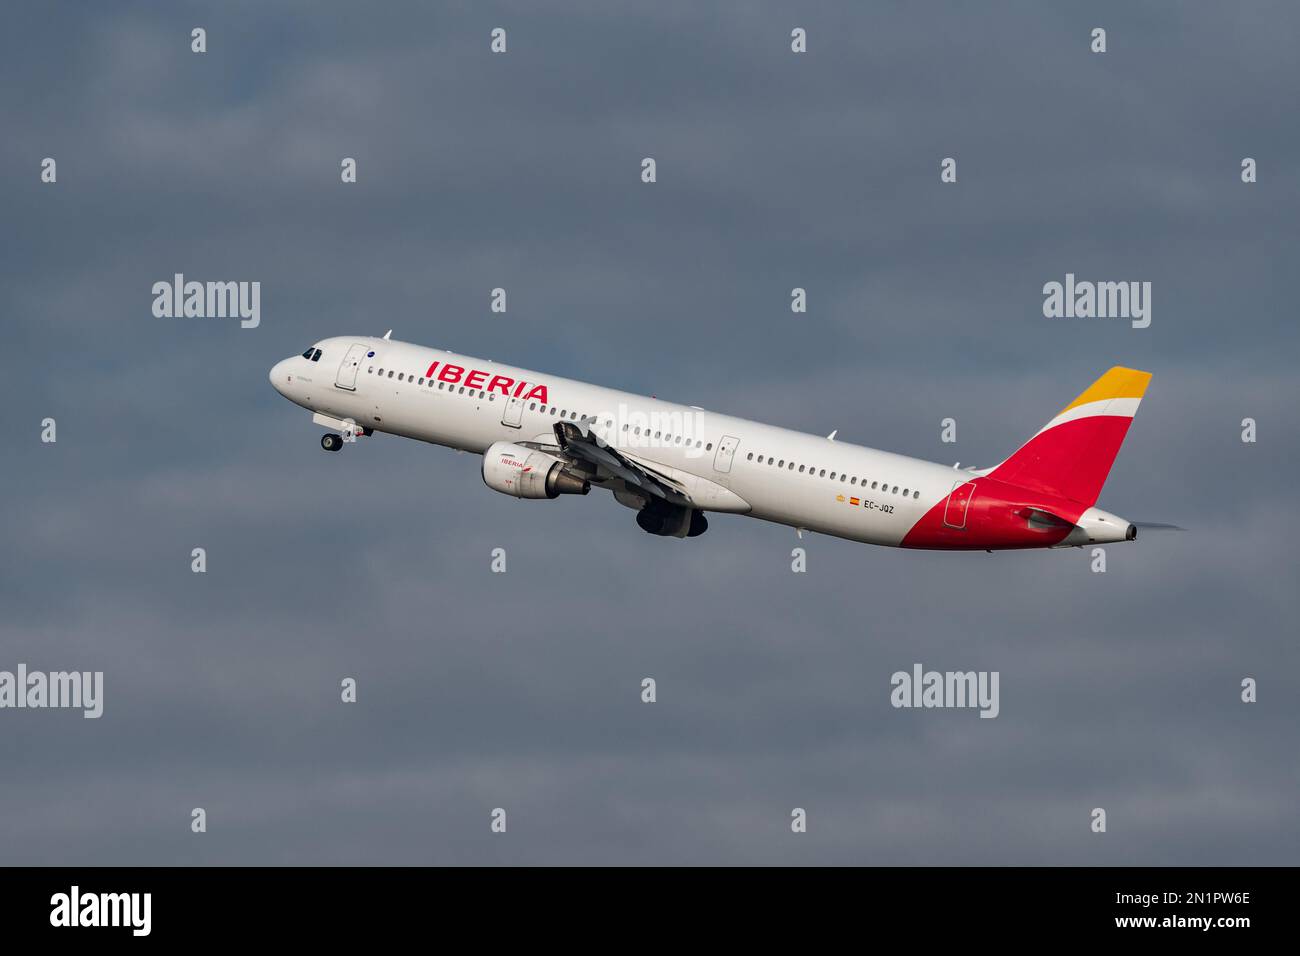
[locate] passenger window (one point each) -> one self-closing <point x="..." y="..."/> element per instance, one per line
<point x="904" y="492"/>
<point x="420" y="382"/>
<point x="801" y="469"/>
<point x="823" y="473"/>
<point x="400" y="376"/>
<point x="709" y="447"/>
<point x="895" y="491"/>
<point x="750" y="456"/>
<point x="832" y="476"/>
<point x="390" y="373"/>
<point x="916" y="495"/>
<point x="781" y="463"/>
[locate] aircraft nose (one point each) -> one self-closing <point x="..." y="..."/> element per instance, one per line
<point x="279" y="375"/>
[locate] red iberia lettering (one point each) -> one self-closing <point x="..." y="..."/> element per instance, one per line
<point x="476" y="377"/>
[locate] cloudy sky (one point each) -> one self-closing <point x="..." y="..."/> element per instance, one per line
<point x="477" y="690"/>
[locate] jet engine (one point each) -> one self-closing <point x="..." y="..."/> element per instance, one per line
<point x="671" y="521"/>
<point x="528" y="473"/>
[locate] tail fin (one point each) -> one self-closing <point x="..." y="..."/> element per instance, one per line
<point x="1073" y="453"/>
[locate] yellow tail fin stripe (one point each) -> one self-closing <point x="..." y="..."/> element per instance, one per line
<point x="1119" y="382"/>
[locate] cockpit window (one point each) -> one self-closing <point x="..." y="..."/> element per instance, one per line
<point x="316" y="356"/>
<point x="307" y="354"/>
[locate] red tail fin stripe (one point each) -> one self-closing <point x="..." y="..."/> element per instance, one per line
<point x="1072" y="459"/>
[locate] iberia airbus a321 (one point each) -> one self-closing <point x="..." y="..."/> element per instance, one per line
<point x="542" y="436"/>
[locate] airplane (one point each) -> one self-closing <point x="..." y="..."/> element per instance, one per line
<point x="542" y="436"/>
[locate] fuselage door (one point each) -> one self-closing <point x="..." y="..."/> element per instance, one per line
<point x="954" y="512"/>
<point x="726" y="451"/>
<point x="350" y="367"/>
<point x="513" y="413"/>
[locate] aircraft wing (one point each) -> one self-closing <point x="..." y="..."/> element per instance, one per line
<point x="579" y="442"/>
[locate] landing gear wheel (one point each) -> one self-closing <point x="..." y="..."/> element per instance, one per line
<point x="331" y="442"/>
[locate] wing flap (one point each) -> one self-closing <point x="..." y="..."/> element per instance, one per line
<point x="579" y="442"/>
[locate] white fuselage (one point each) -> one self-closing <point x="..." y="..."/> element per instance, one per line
<point x="727" y="464"/>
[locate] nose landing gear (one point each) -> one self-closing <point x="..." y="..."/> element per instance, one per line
<point x="331" y="442"/>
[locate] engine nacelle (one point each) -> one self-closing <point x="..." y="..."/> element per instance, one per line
<point x="672" y="521"/>
<point x="528" y="473"/>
